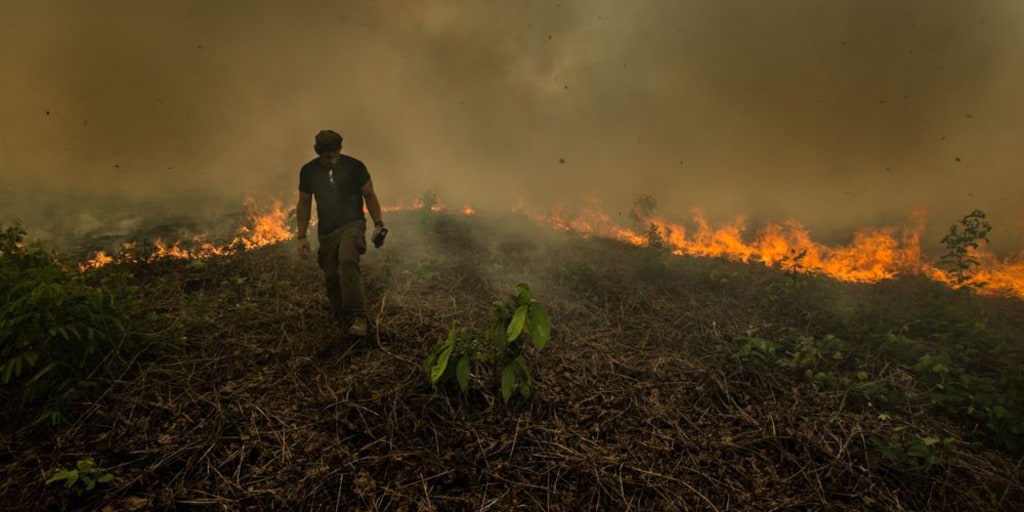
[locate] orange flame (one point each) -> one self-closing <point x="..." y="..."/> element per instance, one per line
<point x="98" y="260"/>
<point x="260" y="229"/>
<point x="874" y="254"/>
<point x="263" y="229"/>
<point x="436" y="206"/>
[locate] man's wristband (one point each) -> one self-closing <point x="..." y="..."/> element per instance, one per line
<point x="379" y="223"/>
<point x="300" y="237"/>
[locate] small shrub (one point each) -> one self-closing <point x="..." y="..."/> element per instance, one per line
<point x="54" y="326"/>
<point x="83" y="478"/>
<point x="961" y="244"/>
<point x="460" y="346"/>
<point x="654" y="240"/>
<point x="756" y="347"/>
<point x="911" y="451"/>
<point x="513" y="321"/>
<point x="798" y="352"/>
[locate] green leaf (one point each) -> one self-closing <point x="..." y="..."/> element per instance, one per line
<point x="515" y="327"/>
<point x="442" y="362"/>
<point x="104" y="478"/>
<point x="919" y="451"/>
<point x="42" y="373"/>
<point x="540" y="326"/>
<point x="508" y="382"/>
<point x="9" y="369"/>
<point x="892" y="454"/>
<point x="523" y="375"/>
<point x="521" y="369"/>
<point x="462" y="373"/>
<point x="499" y="338"/>
<point x="525" y="389"/>
<point x="524" y="295"/>
<point x="61" y="475"/>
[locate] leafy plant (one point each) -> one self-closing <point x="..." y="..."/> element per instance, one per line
<point x="54" y="325"/>
<point x="793" y="288"/>
<point x="961" y="243"/>
<point x="978" y="398"/>
<point x="910" y="450"/>
<point x="793" y="264"/>
<point x="513" y="321"/>
<point x="460" y="346"/>
<point x="654" y="239"/>
<point x="794" y="352"/>
<point x="83" y="478"/>
<point x="756" y="347"/>
<point x="653" y="262"/>
<point x="818" y="358"/>
<point x="808" y="352"/>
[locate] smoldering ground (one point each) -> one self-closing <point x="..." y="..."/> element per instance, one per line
<point x="838" y="114"/>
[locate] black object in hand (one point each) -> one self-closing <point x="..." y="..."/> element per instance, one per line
<point x="379" y="239"/>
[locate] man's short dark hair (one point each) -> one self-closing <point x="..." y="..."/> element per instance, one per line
<point x="327" y="140"/>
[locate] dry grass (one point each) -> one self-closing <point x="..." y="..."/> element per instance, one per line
<point x="244" y="396"/>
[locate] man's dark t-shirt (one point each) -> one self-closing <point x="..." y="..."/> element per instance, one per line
<point x="337" y="191"/>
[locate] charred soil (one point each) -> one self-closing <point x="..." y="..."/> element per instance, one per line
<point x="670" y="383"/>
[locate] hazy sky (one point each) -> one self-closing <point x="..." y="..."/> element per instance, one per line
<point x="836" y="113"/>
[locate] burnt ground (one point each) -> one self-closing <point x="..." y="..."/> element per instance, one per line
<point x="242" y="394"/>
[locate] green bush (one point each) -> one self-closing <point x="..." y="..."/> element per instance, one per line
<point x="961" y="242"/>
<point x="460" y="346"/>
<point x="54" y="326"/>
<point x="518" y="317"/>
<point x="909" y="450"/>
<point x="83" y="478"/>
<point x="513" y="321"/>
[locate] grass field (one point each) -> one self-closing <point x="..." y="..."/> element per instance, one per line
<point x="669" y="383"/>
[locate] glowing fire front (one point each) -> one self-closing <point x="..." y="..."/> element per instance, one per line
<point x="260" y="229"/>
<point x="873" y="255"/>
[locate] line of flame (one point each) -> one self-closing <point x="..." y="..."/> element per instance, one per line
<point x="260" y="229"/>
<point x="875" y="254"/>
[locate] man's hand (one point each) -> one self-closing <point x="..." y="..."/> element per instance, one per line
<point x="304" y="248"/>
<point x="378" y="235"/>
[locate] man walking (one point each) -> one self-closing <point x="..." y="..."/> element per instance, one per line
<point x="340" y="184"/>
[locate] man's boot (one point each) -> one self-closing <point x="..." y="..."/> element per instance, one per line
<point x="358" y="327"/>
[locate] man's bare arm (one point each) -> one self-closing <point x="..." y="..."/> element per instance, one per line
<point x="303" y="211"/>
<point x="372" y="203"/>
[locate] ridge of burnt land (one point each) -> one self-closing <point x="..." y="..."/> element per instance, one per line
<point x="670" y="383"/>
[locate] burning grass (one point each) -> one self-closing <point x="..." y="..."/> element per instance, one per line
<point x="671" y="383"/>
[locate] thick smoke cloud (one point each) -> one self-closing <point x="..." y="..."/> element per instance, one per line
<point x="838" y="114"/>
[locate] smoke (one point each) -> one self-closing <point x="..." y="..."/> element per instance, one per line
<point x="837" y="114"/>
